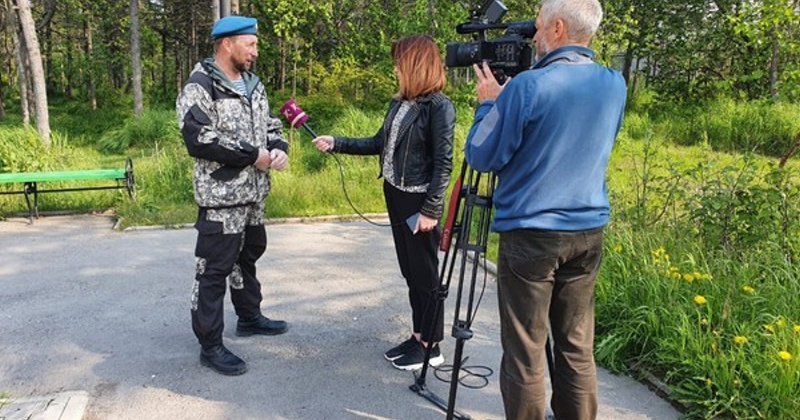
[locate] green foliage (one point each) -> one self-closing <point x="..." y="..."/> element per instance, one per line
<point x="21" y="150"/>
<point x="153" y="126"/>
<point x="723" y="124"/>
<point x="740" y="208"/>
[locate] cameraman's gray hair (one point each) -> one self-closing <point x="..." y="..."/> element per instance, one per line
<point x="581" y="16"/>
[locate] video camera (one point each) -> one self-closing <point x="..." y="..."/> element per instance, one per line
<point x="507" y="55"/>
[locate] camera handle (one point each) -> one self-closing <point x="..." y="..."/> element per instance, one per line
<point x="468" y="220"/>
<point x="500" y="76"/>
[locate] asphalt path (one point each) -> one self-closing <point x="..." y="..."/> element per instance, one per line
<point x="86" y="308"/>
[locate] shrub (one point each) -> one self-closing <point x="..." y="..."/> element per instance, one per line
<point x="22" y="150"/>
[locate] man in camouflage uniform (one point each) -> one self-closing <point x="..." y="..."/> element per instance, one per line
<point x="225" y="121"/>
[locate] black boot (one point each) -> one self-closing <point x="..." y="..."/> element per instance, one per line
<point x="260" y="325"/>
<point x="222" y="361"/>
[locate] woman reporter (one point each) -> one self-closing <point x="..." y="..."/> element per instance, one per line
<point x="415" y="144"/>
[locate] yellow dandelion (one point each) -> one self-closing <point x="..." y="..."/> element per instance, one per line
<point x="618" y="249"/>
<point x="697" y="275"/>
<point x="704" y="322"/>
<point x="769" y="328"/>
<point x="749" y="290"/>
<point x="797" y="329"/>
<point x="700" y="300"/>
<point x="688" y="277"/>
<point x="659" y="256"/>
<point x="785" y="355"/>
<point x="780" y="322"/>
<point x="740" y="339"/>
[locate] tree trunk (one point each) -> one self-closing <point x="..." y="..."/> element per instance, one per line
<point x="225" y="8"/>
<point x="138" y="103"/>
<point x="310" y="72"/>
<point x="19" y="52"/>
<point x="294" y="71"/>
<point x="2" y="99"/>
<point x="68" y="66"/>
<point x="215" y="10"/>
<point x="164" y="46"/>
<point x="773" y="69"/>
<point x="37" y="71"/>
<point x="89" y="70"/>
<point x="626" y="66"/>
<point x="432" y="14"/>
<point x="282" y="70"/>
<point x="22" y="75"/>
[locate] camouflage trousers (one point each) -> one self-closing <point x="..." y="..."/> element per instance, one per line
<point x="229" y="242"/>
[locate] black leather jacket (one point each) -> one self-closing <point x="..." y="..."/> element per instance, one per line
<point x="424" y="150"/>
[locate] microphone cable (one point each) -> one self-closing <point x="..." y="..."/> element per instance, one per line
<point x="347" y="196"/>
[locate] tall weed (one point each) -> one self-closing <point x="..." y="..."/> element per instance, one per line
<point x="724" y="124"/>
<point x="143" y="132"/>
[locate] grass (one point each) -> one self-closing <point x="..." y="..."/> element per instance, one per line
<point x="700" y="282"/>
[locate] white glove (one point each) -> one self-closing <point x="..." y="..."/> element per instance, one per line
<point x="280" y="160"/>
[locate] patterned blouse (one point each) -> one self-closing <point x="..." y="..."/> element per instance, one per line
<point x="388" y="159"/>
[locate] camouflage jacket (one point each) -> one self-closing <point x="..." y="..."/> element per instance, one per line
<point x="223" y="130"/>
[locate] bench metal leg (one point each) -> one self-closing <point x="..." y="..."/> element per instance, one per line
<point x="130" y="182"/>
<point x="30" y="188"/>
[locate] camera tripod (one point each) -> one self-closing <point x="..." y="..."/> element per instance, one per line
<point x="468" y="220"/>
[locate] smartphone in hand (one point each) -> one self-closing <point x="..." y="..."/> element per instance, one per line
<point x="412" y="222"/>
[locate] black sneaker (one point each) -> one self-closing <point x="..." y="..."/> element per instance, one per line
<point x="415" y="357"/>
<point x="400" y="349"/>
<point x="221" y="360"/>
<point x="260" y="325"/>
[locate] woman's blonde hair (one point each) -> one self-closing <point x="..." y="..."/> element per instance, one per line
<point x="420" y="66"/>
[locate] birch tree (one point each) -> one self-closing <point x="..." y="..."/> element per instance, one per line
<point x="136" y="60"/>
<point x="36" y="69"/>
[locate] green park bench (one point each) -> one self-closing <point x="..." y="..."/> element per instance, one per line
<point x="123" y="178"/>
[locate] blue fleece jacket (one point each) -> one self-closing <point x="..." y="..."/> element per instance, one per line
<point x="548" y="137"/>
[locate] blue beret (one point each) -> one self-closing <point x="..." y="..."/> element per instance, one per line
<point x="234" y="25"/>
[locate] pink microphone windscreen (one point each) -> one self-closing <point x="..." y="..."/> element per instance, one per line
<point x="293" y="113"/>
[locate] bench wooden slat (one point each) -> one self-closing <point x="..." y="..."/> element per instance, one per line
<point x="23" y="177"/>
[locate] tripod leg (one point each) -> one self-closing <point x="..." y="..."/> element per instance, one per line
<point x="467" y="241"/>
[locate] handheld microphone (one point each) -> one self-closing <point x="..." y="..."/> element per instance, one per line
<point x="296" y="116"/>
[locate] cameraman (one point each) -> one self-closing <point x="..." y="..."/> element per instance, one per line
<point x="547" y="134"/>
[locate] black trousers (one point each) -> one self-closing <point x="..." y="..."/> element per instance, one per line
<point x="219" y="253"/>
<point x="419" y="262"/>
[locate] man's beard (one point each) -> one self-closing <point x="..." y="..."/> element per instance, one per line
<point x="542" y="49"/>
<point x="242" y="66"/>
